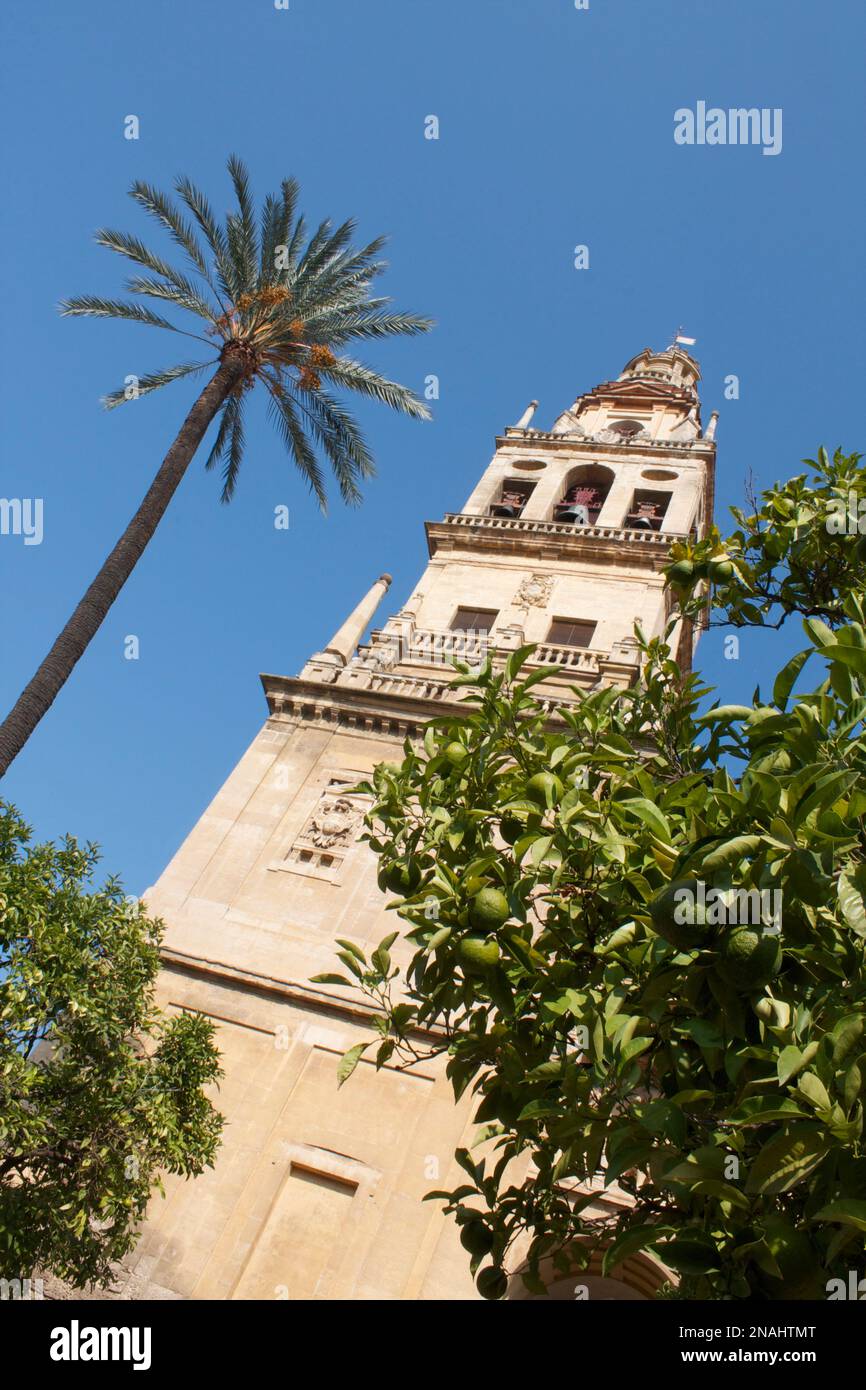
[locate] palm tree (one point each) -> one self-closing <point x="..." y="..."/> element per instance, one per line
<point x="278" y="313"/>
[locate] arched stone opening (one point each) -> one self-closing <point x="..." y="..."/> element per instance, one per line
<point x="637" y="1279"/>
<point x="583" y="495"/>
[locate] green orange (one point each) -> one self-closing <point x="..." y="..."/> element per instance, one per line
<point x="492" y="1282"/>
<point x="477" y="1238"/>
<point x="679" y="916"/>
<point x="489" y="909"/>
<point x="478" y="952"/>
<point x="511" y="829"/>
<point x="545" y="789"/>
<point x="401" y="878"/>
<point x="719" y="569"/>
<point x="749" y="959"/>
<point x="681" y="575"/>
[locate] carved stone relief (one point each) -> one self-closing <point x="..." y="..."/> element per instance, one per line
<point x="534" y="591"/>
<point x="329" y="832"/>
<point x="332" y="823"/>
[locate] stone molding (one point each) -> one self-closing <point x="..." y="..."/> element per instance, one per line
<point x="590" y="445"/>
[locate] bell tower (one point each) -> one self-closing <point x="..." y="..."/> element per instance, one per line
<point x="317" y="1191"/>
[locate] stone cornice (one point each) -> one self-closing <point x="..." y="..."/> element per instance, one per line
<point x="704" y="449"/>
<point x="362" y="711"/>
<point x="388" y="712"/>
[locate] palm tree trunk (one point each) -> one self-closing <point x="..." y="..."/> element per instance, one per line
<point x="37" y="697"/>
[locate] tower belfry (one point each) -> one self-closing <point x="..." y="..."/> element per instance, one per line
<point x="317" y="1192"/>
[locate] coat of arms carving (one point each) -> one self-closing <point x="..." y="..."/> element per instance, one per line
<point x="534" y="591"/>
<point x="333" y="823"/>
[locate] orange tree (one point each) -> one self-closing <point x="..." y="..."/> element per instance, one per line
<point x="639" y="934"/>
<point x="100" y="1092"/>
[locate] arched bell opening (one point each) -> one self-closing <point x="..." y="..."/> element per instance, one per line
<point x="583" y="495"/>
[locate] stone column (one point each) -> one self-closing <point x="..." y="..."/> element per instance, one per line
<point x="343" y="643"/>
<point x="341" y="648"/>
<point x="618" y="500"/>
<point x="523" y="422"/>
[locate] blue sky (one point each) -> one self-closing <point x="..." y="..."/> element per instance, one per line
<point x="556" y="128"/>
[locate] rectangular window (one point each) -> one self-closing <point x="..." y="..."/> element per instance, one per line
<point x="570" y="632"/>
<point x="473" y="619"/>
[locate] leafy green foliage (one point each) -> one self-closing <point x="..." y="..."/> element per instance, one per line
<point x="715" y="1073"/>
<point x="97" y="1090"/>
<point x="284" y="305"/>
<point x="800" y="551"/>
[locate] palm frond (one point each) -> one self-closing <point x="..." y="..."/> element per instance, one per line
<point x="323" y="313"/>
<point x="338" y="288"/>
<point x="346" y="372"/>
<point x="269" y="237"/>
<point x="346" y="265"/>
<point x="135" y="250"/>
<point x="185" y="297"/>
<point x="214" y="235"/>
<point x="92" y="306"/>
<point x="235" y="455"/>
<point x="341" y="327"/>
<point x="295" y="243"/>
<point x="241" y="229"/>
<point x="222" y="434"/>
<point x="290" y="193"/>
<point x="152" y="382"/>
<point x="341" y="439"/>
<point x="158" y="205"/>
<point x="324" y="249"/>
<point x="284" y="416"/>
<point x="314" y="245"/>
<point x="350" y="266"/>
<point x="277" y="216"/>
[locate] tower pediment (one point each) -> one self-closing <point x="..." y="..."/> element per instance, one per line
<point x="640" y="389"/>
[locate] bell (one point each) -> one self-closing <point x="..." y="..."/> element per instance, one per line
<point x="503" y="509"/>
<point x="573" y="515"/>
<point x="641" y="523"/>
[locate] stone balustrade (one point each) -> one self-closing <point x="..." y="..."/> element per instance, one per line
<point x="657" y="540"/>
<point x="429" y="646"/>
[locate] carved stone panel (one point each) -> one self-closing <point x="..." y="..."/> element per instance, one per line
<point x="329" y="832"/>
<point x="534" y="591"/>
<point x="332" y="823"/>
